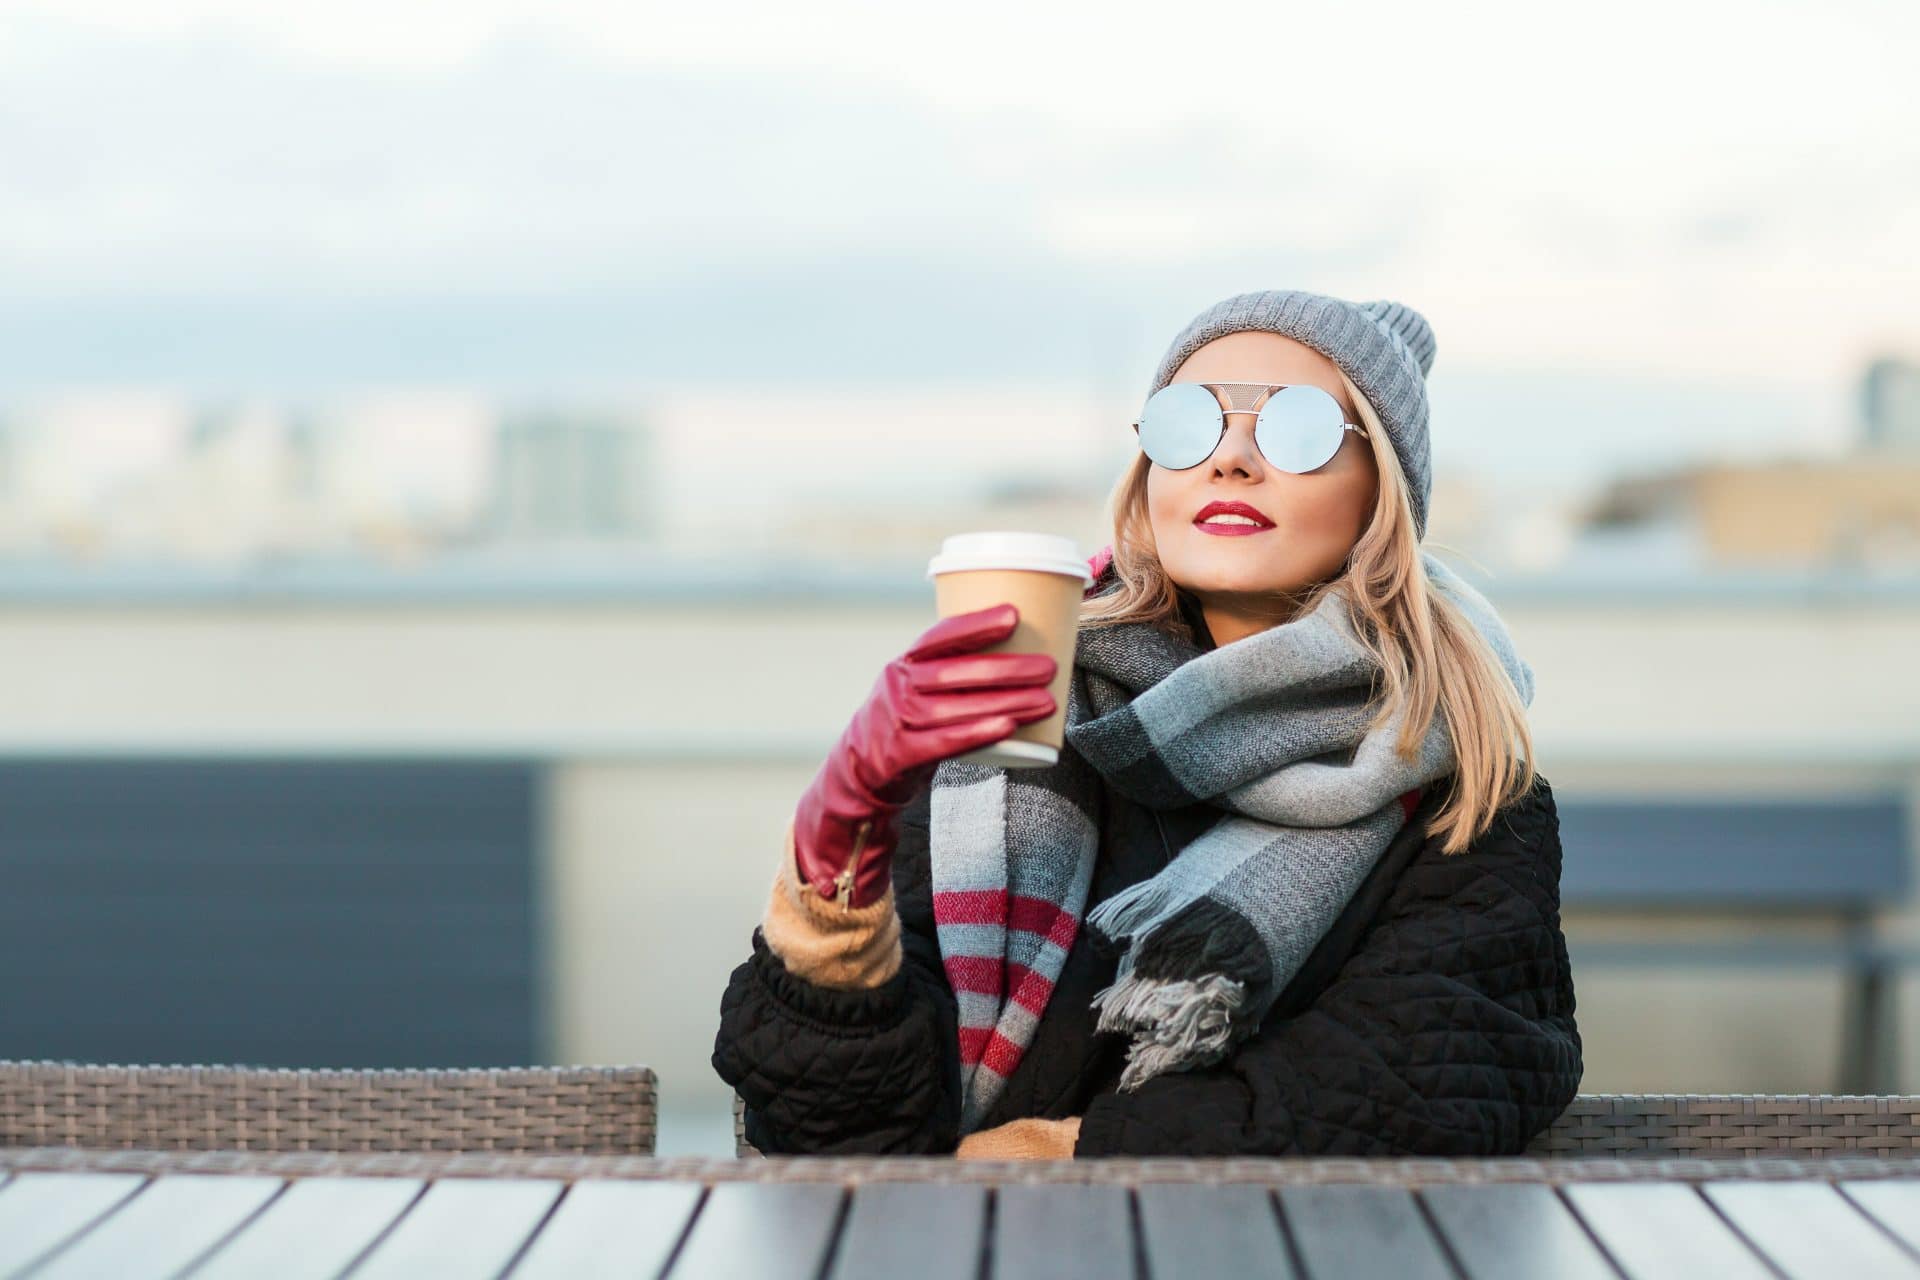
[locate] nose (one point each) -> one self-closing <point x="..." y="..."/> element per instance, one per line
<point x="1237" y="450"/>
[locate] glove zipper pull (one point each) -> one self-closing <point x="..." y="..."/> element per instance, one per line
<point x="844" y="880"/>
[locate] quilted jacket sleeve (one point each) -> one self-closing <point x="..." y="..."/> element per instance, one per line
<point x="1449" y="1031"/>
<point x="849" y="1071"/>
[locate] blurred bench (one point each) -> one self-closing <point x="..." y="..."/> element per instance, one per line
<point x="575" y="1110"/>
<point x="1663" y="1125"/>
<point x="1767" y="862"/>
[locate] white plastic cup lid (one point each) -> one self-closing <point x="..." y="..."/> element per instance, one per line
<point x="1006" y="549"/>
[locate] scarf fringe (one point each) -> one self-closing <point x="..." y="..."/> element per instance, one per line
<point x="1136" y="911"/>
<point x="1178" y="1024"/>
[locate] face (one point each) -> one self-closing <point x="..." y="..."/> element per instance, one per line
<point x="1246" y="581"/>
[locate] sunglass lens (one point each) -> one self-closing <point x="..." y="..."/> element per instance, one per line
<point x="1299" y="428"/>
<point x="1180" y="425"/>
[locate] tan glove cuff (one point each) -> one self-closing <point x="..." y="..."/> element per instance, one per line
<point x="824" y="942"/>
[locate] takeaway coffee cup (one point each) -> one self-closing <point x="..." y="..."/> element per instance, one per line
<point x="1045" y="578"/>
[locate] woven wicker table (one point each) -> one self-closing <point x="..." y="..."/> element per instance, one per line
<point x="218" y="1172"/>
<point x="68" y="1212"/>
<point x="583" y="1110"/>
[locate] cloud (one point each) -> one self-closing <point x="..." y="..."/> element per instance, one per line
<point x="213" y="189"/>
<point x="196" y="163"/>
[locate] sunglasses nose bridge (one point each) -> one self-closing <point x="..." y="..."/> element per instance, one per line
<point x="1243" y="397"/>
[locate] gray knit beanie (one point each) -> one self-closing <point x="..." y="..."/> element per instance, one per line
<point x="1385" y="347"/>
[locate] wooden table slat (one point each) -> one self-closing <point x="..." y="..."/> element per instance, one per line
<point x="770" y="1230"/>
<point x="1062" y="1231"/>
<point x="928" y="1232"/>
<point x="165" y="1226"/>
<point x="40" y="1210"/>
<point x="462" y="1227"/>
<point x="1654" y="1230"/>
<point x="1197" y="1230"/>
<point x="315" y="1229"/>
<point x="128" y="1225"/>
<point x="608" y="1227"/>
<point x="1893" y="1202"/>
<point x="1809" y="1229"/>
<point x="1515" y="1231"/>
<point x="1349" y="1232"/>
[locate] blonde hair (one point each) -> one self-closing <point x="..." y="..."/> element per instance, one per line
<point x="1429" y="654"/>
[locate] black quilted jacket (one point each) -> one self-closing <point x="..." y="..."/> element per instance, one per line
<point x="1435" y="1018"/>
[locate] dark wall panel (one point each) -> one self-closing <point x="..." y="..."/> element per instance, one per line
<point x="1782" y="853"/>
<point x="280" y="913"/>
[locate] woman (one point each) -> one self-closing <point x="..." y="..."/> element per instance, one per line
<point x="1296" y="815"/>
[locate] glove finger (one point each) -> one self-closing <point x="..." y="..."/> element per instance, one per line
<point x="982" y="671"/>
<point x="929" y="746"/>
<point x="925" y="711"/>
<point x="966" y="631"/>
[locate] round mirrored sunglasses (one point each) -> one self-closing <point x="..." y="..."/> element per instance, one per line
<point x="1298" y="427"/>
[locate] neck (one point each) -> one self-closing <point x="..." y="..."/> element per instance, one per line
<point x="1231" y="618"/>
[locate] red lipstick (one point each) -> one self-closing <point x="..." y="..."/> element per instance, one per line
<point x="1232" y="529"/>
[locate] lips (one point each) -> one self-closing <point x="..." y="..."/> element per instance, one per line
<point x="1234" y="509"/>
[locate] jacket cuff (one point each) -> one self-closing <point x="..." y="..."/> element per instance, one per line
<point x="1102" y="1127"/>
<point x="825" y="942"/>
<point x="852" y="1011"/>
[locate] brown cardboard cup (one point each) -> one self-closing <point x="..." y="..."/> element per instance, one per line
<point x="1045" y="578"/>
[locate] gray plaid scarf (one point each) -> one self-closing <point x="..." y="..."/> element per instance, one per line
<point x="1272" y="730"/>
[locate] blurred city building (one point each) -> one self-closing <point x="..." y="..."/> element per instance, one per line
<point x="909" y="530"/>
<point x="1890" y="405"/>
<point x="1859" y="510"/>
<point x="393" y="476"/>
<point x="397" y="476"/>
<point x="569" y="477"/>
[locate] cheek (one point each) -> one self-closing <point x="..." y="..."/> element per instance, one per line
<point x="1334" y="506"/>
<point x="1159" y="498"/>
<point x="1338" y="502"/>
<point x="1360" y="492"/>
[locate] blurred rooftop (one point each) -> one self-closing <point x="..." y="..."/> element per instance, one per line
<point x="772" y="578"/>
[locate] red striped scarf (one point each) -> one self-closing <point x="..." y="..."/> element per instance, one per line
<point x="1005" y="933"/>
<point x="1032" y="926"/>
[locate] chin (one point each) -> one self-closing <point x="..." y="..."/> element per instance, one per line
<point x="1215" y="578"/>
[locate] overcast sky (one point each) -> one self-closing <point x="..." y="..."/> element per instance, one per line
<point x="1716" y="200"/>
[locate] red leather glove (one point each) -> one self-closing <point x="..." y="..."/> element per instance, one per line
<point x="939" y="699"/>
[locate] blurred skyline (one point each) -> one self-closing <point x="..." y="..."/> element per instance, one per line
<point x="867" y="476"/>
